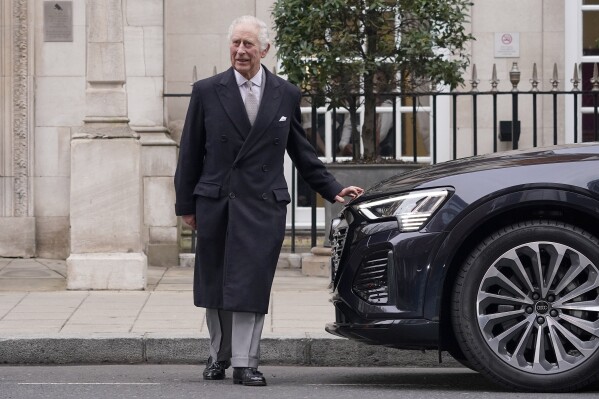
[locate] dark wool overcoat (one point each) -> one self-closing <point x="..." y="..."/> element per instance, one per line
<point x="230" y="175"/>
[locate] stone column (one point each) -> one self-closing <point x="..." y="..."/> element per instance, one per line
<point x="17" y="224"/>
<point x="144" y="55"/>
<point x="106" y="186"/>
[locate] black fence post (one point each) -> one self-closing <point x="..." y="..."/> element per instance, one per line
<point x="514" y="121"/>
<point x="434" y="138"/>
<point x="534" y="119"/>
<point x="335" y="136"/>
<point x="455" y="125"/>
<point x="474" y="124"/>
<point x="575" y="117"/>
<point x="293" y="205"/>
<point x="495" y="122"/>
<point x="414" y="130"/>
<point x="595" y="120"/>
<point x="312" y="192"/>
<point x="515" y="79"/>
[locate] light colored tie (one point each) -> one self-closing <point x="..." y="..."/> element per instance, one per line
<point x="251" y="102"/>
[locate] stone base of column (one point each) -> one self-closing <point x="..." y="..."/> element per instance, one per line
<point x="163" y="254"/>
<point x="17" y="237"/>
<point x="107" y="271"/>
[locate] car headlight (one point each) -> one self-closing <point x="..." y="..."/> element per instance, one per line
<point x="412" y="210"/>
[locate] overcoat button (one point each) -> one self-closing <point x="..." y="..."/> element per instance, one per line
<point x="265" y="168"/>
<point x="224" y="138"/>
<point x="231" y="195"/>
<point x="264" y="196"/>
<point x="277" y="141"/>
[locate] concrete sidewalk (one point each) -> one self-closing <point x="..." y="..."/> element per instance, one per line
<point x="42" y="322"/>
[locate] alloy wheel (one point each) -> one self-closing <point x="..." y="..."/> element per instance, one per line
<point x="538" y="307"/>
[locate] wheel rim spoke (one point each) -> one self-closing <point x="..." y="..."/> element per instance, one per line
<point x="590" y="306"/>
<point x="578" y="291"/>
<point x="488" y="321"/>
<point x="583" y="347"/>
<point x="540" y="363"/>
<point x="498" y="343"/>
<point x="509" y="285"/>
<point x="572" y="273"/>
<point x="513" y="256"/>
<point x="517" y="358"/>
<point x="588" y="326"/>
<point x="503" y="299"/>
<point x="537" y="264"/>
<point x="561" y="354"/>
<point x="555" y="261"/>
<point x="538" y="307"/>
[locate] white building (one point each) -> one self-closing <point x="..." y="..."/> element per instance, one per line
<point x="88" y="141"/>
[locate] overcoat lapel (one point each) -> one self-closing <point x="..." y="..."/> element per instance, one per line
<point x="230" y="98"/>
<point x="269" y="105"/>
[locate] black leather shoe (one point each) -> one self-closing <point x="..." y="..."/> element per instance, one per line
<point x="248" y="376"/>
<point x="215" y="370"/>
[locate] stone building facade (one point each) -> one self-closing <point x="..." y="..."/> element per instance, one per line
<point x="88" y="141"/>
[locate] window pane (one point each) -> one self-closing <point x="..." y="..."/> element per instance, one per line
<point x="590" y="130"/>
<point x="422" y="134"/>
<point x="590" y="2"/>
<point x="589" y="100"/>
<point x="590" y="32"/>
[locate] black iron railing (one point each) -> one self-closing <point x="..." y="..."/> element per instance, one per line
<point x="475" y="122"/>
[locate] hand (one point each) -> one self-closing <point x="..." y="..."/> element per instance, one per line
<point x="189" y="220"/>
<point x="351" y="191"/>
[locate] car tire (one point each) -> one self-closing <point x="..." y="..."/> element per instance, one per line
<point x="525" y="307"/>
<point x="460" y="358"/>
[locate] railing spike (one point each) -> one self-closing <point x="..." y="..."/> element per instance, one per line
<point x="535" y="78"/>
<point x="475" y="81"/>
<point x="554" y="81"/>
<point x="575" y="79"/>
<point x="494" y="80"/>
<point x="595" y="78"/>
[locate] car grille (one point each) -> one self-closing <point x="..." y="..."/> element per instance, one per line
<point x="338" y="243"/>
<point x="371" y="282"/>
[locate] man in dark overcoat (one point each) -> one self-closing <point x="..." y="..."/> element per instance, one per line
<point x="230" y="187"/>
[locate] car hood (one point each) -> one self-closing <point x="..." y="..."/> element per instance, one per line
<point x="501" y="160"/>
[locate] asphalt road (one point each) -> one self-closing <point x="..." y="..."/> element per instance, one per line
<point x="185" y="381"/>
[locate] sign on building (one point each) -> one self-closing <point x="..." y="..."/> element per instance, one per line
<point x="58" y="21"/>
<point x="507" y="44"/>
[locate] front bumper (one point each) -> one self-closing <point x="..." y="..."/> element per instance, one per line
<point x="402" y="334"/>
<point x="397" y="333"/>
<point x="379" y="277"/>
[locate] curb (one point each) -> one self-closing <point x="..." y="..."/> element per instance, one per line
<point x="169" y="349"/>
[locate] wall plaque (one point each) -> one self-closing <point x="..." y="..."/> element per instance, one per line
<point x="58" y="21"/>
<point x="507" y="44"/>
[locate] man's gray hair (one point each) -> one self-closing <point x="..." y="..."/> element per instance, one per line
<point x="262" y="29"/>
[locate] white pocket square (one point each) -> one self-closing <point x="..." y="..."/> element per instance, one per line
<point x="283" y="119"/>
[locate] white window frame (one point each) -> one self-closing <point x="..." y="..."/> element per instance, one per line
<point x="573" y="11"/>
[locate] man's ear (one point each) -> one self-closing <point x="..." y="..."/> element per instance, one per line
<point x="265" y="51"/>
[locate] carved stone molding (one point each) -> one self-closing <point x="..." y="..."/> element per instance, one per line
<point x="17" y="225"/>
<point x="21" y="110"/>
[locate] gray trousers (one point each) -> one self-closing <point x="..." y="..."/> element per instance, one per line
<point x="235" y="336"/>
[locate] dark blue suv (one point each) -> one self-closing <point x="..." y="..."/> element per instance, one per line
<point x="494" y="259"/>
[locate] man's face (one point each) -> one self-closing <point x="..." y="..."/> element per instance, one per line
<point x="245" y="50"/>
